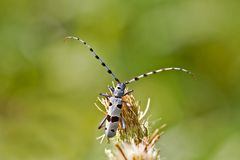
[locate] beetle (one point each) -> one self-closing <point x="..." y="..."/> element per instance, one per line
<point x="113" y="116"/>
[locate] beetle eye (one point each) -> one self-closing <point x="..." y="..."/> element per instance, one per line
<point x="112" y="130"/>
<point x="110" y="103"/>
<point x="118" y="87"/>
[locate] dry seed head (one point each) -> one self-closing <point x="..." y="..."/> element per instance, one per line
<point x="133" y="142"/>
<point x="145" y="150"/>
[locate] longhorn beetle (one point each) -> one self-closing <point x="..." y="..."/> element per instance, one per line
<point x="113" y="116"/>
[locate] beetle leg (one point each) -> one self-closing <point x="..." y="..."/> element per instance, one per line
<point x="123" y="123"/>
<point x="102" y="122"/>
<point x="111" y="89"/>
<point x="104" y="95"/>
<point x="128" y="92"/>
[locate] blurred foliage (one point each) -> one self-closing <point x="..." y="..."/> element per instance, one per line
<point x="48" y="87"/>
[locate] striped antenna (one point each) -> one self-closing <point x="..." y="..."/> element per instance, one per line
<point x="95" y="55"/>
<point x="158" y="71"/>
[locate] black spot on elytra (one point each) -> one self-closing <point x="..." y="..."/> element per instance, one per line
<point x="103" y="64"/>
<point x="108" y="118"/>
<point x="96" y="57"/>
<point x="110" y="103"/>
<point x="119" y="106"/>
<point x="114" y="119"/>
<point x="136" y="78"/>
<point x="84" y="43"/>
<point x="109" y="71"/>
<point x="91" y="49"/>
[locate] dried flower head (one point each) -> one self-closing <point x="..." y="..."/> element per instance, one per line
<point x="133" y="141"/>
<point x="145" y="150"/>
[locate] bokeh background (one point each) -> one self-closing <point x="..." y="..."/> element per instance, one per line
<point x="48" y="88"/>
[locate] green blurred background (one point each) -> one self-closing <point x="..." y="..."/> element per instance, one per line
<point x="48" y="88"/>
